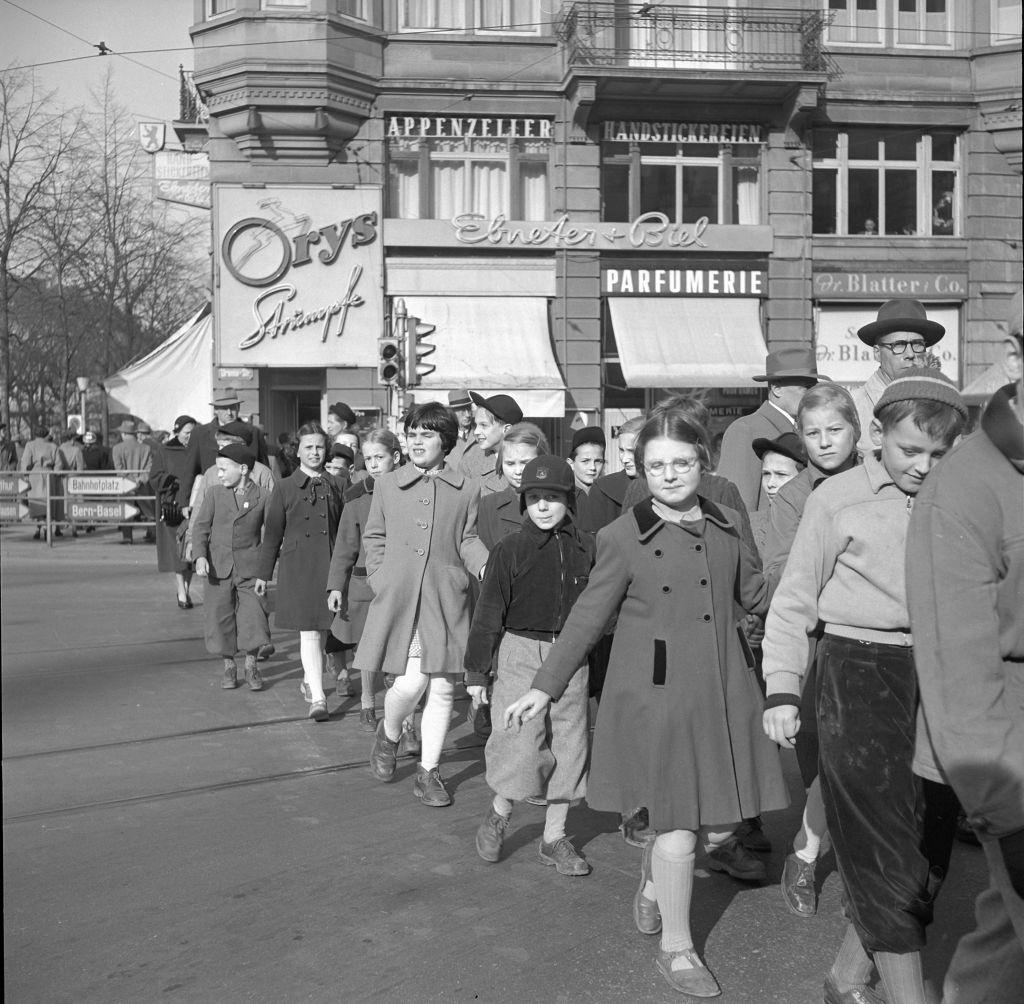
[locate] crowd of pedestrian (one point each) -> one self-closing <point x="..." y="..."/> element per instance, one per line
<point x="845" y="581"/>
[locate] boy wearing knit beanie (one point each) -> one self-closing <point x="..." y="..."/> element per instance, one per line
<point x="892" y="831"/>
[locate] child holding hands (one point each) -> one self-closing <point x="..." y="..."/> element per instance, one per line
<point x="533" y="579"/>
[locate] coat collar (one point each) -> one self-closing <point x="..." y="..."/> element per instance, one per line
<point x="1000" y="423"/>
<point x="407" y="476"/>
<point x="648" y="522"/>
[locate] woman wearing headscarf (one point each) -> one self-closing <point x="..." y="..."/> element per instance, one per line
<point x="169" y="470"/>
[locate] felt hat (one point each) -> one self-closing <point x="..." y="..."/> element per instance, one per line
<point x="588" y="434"/>
<point x="794" y="363"/>
<point x="341" y="450"/>
<point x="243" y="430"/>
<point x="901" y="315"/>
<point x="344" y="412"/>
<point x="547" y="472"/>
<point x="181" y="421"/>
<point x="143" y="429"/>
<point x="460" y="399"/>
<point x="501" y="406"/>
<point x="227" y="398"/>
<point x="788" y="444"/>
<point x="127" y="426"/>
<point x="239" y="453"/>
<point x="922" y="384"/>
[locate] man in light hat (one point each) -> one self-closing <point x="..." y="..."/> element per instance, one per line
<point x="900" y="336"/>
<point x="788" y="373"/>
<point x="132" y="456"/>
<point x="462" y="404"/>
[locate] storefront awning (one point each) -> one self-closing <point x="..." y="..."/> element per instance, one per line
<point x="492" y="345"/>
<point x="682" y="342"/>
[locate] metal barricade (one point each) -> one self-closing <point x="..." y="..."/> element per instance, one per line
<point x="75" y="498"/>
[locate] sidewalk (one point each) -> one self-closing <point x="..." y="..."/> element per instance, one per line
<point x="165" y="838"/>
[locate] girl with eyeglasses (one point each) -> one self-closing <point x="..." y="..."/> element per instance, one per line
<point x="673" y="570"/>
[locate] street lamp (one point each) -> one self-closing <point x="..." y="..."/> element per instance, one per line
<point x="83" y="386"/>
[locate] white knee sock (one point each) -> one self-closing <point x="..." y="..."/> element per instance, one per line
<point x="672" y="872"/>
<point x="807" y="843"/>
<point x="401" y="699"/>
<point x="437" y="716"/>
<point x="554" y="821"/>
<point x="311" y="652"/>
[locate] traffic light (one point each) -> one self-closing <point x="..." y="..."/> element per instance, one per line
<point x="415" y="349"/>
<point x="389" y="361"/>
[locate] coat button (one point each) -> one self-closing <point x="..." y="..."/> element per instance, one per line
<point x="419" y="550"/>
<point x="657" y="553"/>
<point x="666" y="589"/>
<point x="703" y="582"/>
<point x="306" y="516"/>
<point x="324" y="532"/>
<point x="307" y="533"/>
<point x="699" y="547"/>
<point x="707" y="617"/>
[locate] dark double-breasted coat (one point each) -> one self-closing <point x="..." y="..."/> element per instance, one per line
<point x="679" y="725"/>
<point x="348" y="565"/>
<point x="421" y="548"/>
<point x="170" y="461"/>
<point x="301" y="525"/>
<point x="739" y="463"/>
<point x="499" y="516"/>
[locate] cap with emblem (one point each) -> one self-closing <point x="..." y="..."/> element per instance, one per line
<point x="547" y="472"/>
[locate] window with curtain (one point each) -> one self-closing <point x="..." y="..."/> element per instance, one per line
<point x="921" y="23"/>
<point x="445" y="177"/>
<point x="419" y="15"/>
<point x="855" y="21"/>
<point x="1006" y="21"/>
<point x="215" y="8"/>
<point x="685" y="181"/>
<point x="509" y="16"/>
<point x="354" y="8"/>
<point x="892" y="181"/>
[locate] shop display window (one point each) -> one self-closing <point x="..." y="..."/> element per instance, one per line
<point x="442" y="178"/>
<point x="896" y="182"/>
<point x="685" y="181"/>
<point x="918" y="23"/>
<point x="521" y="17"/>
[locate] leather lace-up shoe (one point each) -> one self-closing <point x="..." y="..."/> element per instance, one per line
<point x="734" y="859"/>
<point x="750" y="834"/>
<point x="368" y="719"/>
<point x="318" y="711"/>
<point x="429" y="787"/>
<point x="797" y="886"/>
<point x="409" y="744"/>
<point x="646" y="914"/>
<point x="564" y="857"/>
<point x="252" y="673"/>
<point x="695" y="979"/>
<point x="490" y="836"/>
<point x="383" y="756"/>
<point x="855" y="995"/>
<point x="636" y="828"/>
<point x="230" y="678"/>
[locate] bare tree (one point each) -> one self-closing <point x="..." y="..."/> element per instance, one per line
<point x="35" y="141"/>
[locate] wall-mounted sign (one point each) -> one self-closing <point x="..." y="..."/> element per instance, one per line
<point x="683" y="132"/>
<point x="464" y="126"/>
<point x="182" y="177"/>
<point x="684" y="282"/>
<point x="888" y="285"/>
<point x="843" y="357"/>
<point x="299" y="276"/>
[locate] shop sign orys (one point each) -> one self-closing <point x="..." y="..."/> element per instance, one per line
<point x="299" y="276"/>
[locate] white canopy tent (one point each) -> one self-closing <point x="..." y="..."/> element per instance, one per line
<point x="176" y="378"/>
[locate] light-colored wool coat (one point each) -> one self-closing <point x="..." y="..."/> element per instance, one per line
<point x="679" y="725"/>
<point x="421" y="548"/>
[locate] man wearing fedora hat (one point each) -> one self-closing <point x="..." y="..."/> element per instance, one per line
<point x="900" y="336"/>
<point x="131" y="455"/>
<point x="462" y="404"/>
<point x="202" y="446"/>
<point x="788" y="373"/>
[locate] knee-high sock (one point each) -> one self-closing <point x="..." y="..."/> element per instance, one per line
<point x="366" y="695"/>
<point x="807" y="843"/>
<point x="436" y="717"/>
<point x="852" y="966"/>
<point x="401" y="699"/>
<point x="311" y="652"/>
<point x="554" y="821"/>
<point x="902" y="977"/>
<point x="672" y="872"/>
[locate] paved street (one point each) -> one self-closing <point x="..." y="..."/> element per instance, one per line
<point x="167" y="839"/>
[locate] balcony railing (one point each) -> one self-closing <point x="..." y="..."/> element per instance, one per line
<point x="191" y="107"/>
<point x="601" y="33"/>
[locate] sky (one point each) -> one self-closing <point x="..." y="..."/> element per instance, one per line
<point x="145" y="82"/>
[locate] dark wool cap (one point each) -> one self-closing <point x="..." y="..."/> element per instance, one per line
<point x="243" y="430"/>
<point x="788" y="444"/>
<point x="341" y="450"/>
<point x="921" y="384"/>
<point x="588" y="434"/>
<point x="343" y="411"/>
<point x="501" y="406"/>
<point x="181" y="421"/>
<point x="239" y="453"/>
<point x="547" y="472"/>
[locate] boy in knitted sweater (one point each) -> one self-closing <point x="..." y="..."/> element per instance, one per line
<point x="846" y="570"/>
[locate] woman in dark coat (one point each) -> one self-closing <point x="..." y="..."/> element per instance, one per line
<point x="302" y="522"/>
<point x="678" y="725"/>
<point x="169" y="468"/>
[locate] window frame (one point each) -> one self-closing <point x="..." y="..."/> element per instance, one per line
<point x="882" y="9"/>
<point x="998" y="37"/>
<point x="472" y="19"/>
<point x="889" y="26"/>
<point x="921" y="28"/>
<point x="925" y="167"/>
<point x="218" y="8"/>
<point x="724" y="160"/>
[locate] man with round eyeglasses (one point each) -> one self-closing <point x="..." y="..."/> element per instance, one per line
<point x="900" y="336"/>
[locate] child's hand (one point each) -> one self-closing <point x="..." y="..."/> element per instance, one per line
<point x="782" y="724"/>
<point x="202" y="566"/>
<point x="478" y="695"/>
<point x="526" y="708"/>
<point x="334" y="601"/>
<point x="261" y="587"/>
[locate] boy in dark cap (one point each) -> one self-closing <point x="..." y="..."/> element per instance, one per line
<point x="586" y="457"/>
<point x="493" y="417"/>
<point x="226" y="540"/>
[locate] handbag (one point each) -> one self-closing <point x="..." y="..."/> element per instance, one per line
<point x="170" y="512"/>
